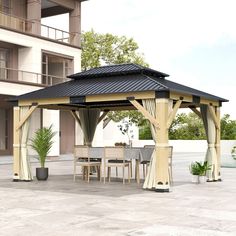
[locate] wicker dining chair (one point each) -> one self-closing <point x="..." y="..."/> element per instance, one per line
<point x="115" y="157"/>
<point x="83" y="159"/>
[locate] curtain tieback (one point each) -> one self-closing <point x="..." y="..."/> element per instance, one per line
<point x="211" y="145"/>
<point x="217" y="145"/>
<point x="16" y="145"/>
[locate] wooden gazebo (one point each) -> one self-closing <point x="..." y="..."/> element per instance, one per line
<point x="124" y="87"/>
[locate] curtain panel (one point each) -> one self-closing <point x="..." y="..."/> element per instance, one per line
<point x="211" y="156"/>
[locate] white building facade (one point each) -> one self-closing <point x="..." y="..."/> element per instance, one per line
<point x="33" y="56"/>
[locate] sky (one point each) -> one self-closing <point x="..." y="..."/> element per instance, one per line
<point x="194" y="41"/>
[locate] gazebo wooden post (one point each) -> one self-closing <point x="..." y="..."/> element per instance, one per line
<point x="16" y="144"/>
<point x="218" y="142"/>
<point x="162" y="139"/>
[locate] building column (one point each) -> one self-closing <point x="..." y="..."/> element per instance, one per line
<point x="75" y="24"/>
<point x="162" y="140"/>
<point x="34" y="16"/>
<point x="16" y="144"/>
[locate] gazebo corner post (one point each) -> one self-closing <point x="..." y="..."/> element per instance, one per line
<point x="162" y="143"/>
<point x="16" y="144"/>
<point x="218" y="139"/>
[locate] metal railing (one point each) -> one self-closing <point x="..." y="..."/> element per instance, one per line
<point x="56" y="34"/>
<point x="26" y="26"/>
<point x="20" y="76"/>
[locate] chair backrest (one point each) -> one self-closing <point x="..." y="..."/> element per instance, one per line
<point x="149" y="146"/>
<point x="81" y="151"/>
<point x="114" y="153"/>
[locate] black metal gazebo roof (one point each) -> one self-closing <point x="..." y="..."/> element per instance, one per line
<point x="115" y="79"/>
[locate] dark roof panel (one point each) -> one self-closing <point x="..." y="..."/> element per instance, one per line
<point x="93" y="86"/>
<point x="100" y="83"/>
<point x="112" y="85"/>
<point x="118" y="70"/>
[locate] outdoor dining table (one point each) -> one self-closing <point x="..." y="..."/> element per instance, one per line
<point x="138" y="154"/>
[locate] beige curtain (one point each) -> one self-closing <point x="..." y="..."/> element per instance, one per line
<point x="25" y="168"/>
<point x="89" y="120"/>
<point x="150" y="181"/>
<point x="211" y="156"/>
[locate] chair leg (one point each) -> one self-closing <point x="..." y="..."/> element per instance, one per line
<point x="129" y="172"/>
<point x="88" y="173"/>
<point x="138" y="174"/>
<point x="131" y="169"/>
<point x="144" y="174"/>
<point x="123" y="175"/>
<point x="74" y="170"/>
<point x="83" y="172"/>
<point x="104" y="172"/>
<point x="100" y="173"/>
<point x="109" y="174"/>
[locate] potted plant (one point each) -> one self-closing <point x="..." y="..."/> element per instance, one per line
<point x="233" y="152"/>
<point x="203" y="168"/>
<point x="42" y="143"/>
<point x="194" y="170"/>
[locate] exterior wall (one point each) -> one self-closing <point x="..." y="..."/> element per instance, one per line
<point x="53" y="117"/>
<point x="19" y="8"/>
<point x="14" y="89"/>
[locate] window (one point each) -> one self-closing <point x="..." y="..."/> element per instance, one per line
<point x="5" y="6"/>
<point x="55" y="69"/>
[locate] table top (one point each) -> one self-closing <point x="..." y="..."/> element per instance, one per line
<point x="140" y="153"/>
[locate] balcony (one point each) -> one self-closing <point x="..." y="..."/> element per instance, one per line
<point x="25" y="77"/>
<point x="29" y="27"/>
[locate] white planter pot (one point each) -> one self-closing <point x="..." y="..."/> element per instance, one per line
<point x="195" y="179"/>
<point x="202" y="179"/>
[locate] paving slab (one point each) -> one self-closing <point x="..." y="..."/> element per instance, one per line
<point x="62" y="207"/>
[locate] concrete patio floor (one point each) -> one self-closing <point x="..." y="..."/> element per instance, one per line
<point x="61" y="207"/>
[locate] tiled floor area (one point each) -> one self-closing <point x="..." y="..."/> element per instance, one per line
<point x="61" y="207"/>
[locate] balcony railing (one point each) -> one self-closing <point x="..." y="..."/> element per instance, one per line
<point x="20" y="76"/>
<point x="26" y="26"/>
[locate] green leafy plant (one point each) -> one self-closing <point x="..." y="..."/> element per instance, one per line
<point x="42" y="142"/>
<point x="194" y="168"/>
<point x="199" y="168"/>
<point x="203" y="167"/>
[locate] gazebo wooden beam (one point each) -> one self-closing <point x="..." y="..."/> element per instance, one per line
<point x="120" y="96"/>
<point x="26" y="117"/>
<point x="173" y="113"/>
<point x="145" y="112"/>
<point x="102" y="116"/>
<point x="76" y="117"/>
<point x="48" y="101"/>
<point x="196" y="111"/>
